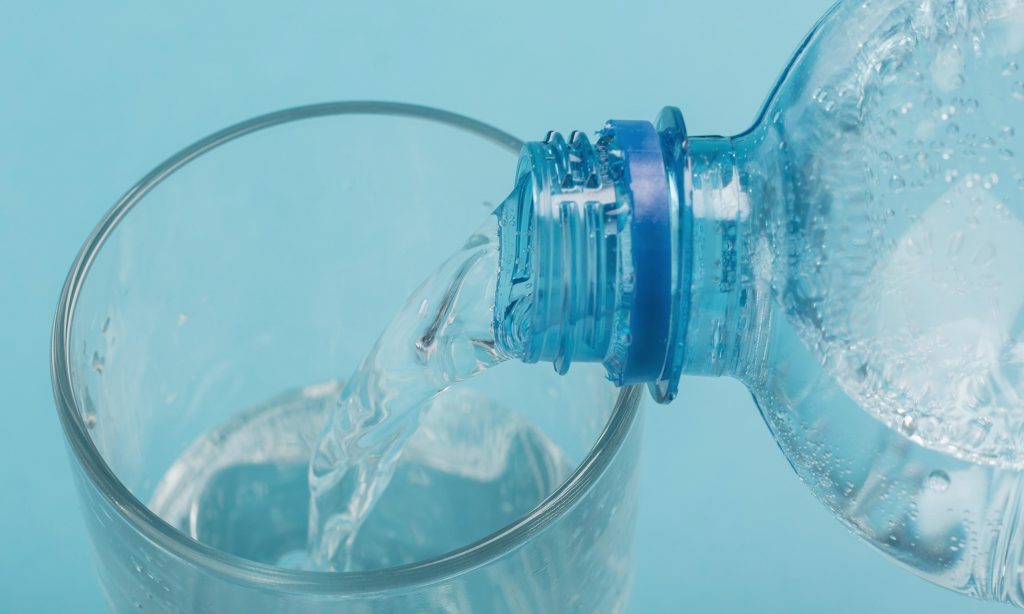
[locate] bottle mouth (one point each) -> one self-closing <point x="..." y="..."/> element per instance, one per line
<point x="589" y="252"/>
<point x="135" y="513"/>
<point x="558" y="262"/>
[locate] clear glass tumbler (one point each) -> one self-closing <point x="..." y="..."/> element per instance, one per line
<point x="241" y="269"/>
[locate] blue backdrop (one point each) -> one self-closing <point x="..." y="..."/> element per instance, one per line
<point x="94" y="94"/>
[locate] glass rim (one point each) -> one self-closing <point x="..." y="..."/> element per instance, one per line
<point x="421" y="573"/>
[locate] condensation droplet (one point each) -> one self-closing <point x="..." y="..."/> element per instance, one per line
<point x="1017" y="91"/>
<point x="182" y="319"/>
<point x="938" y="481"/>
<point x="1010" y="69"/>
<point x="89" y="418"/>
<point x="897" y="182"/>
<point x="977" y="432"/>
<point x="97" y="362"/>
<point x="908" y="426"/>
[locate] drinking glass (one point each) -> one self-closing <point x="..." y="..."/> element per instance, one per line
<point x="242" y="269"/>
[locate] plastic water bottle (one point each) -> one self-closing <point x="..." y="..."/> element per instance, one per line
<point x="856" y="258"/>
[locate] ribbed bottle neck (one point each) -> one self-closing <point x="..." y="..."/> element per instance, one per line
<point x="630" y="251"/>
<point x="560" y="235"/>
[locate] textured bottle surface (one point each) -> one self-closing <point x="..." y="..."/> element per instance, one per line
<point x="896" y="238"/>
<point x="885" y="199"/>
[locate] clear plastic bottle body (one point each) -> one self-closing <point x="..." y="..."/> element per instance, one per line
<point x="893" y="214"/>
<point x="888" y="236"/>
<point x="854" y="259"/>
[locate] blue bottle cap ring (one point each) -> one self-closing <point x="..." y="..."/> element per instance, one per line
<point x="651" y="247"/>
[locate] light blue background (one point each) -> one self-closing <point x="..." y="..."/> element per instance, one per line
<point x="92" y="95"/>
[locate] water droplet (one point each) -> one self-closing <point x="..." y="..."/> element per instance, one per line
<point x="106" y="325"/>
<point x="97" y="362"/>
<point x="977" y="433"/>
<point x="1017" y="91"/>
<point x="1010" y="69"/>
<point x="897" y="182"/>
<point x="984" y="256"/>
<point x="938" y="481"/>
<point x="908" y="426"/>
<point x="89" y="418"/>
<point x="182" y="318"/>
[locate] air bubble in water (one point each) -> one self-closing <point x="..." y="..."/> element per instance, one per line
<point x="938" y="481"/>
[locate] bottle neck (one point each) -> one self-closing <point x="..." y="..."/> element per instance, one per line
<point x="631" y="251"/>
<point x="719" y="293"/>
